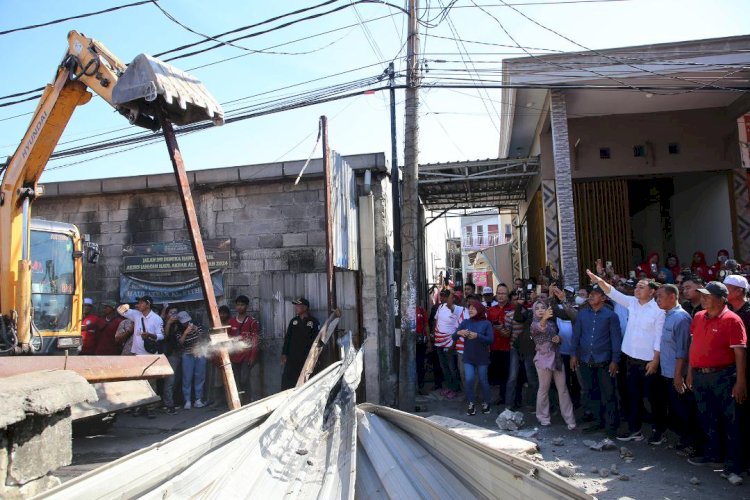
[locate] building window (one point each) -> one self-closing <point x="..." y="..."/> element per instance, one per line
<point x="604" y="153"/>
<point x="674" y="148"/>
<point x="639" y="150"/>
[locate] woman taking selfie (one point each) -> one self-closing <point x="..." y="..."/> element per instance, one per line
<point x="549" y="365"/>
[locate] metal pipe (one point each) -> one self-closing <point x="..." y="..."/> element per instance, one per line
<point x="199" y="252"/>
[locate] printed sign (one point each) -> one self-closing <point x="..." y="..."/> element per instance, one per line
<point x="186" y="291"/>
<point x="173" y="256"/>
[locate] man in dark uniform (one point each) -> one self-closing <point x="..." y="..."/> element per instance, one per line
<point x="299" y="337"/>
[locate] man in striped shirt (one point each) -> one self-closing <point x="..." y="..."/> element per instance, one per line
<point x="447" y="318"/>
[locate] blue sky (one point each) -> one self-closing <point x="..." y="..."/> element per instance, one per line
<point x="453" y="126"/>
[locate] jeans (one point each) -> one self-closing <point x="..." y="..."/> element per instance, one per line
<point x="516" y="360"/>
<point x="719" y="416"/>
<point x="472" y="371"/>
<point x="193" y="370"/>
<point x="639" y="386"/>
<point x="599" y="388"/>
<point x="683" y="416"/>
<point x="175" y="361"/>
<point x="447" y="359"/>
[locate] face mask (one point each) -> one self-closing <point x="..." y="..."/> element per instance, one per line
<point x="722" y="258"/>
<point x="580" y="300"/>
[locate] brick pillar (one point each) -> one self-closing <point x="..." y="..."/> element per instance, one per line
<point x="551" y="223"/>
<point x="564" y="188"/>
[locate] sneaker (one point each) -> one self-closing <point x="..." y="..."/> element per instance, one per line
<point x="187" y="405"/>
<point x="703" y="461"/>
<point x="471" y="410"/>
<point x="485" y="408"/>
<point x="571" y="427"/>
<point x="630" y="436"/>
<point x="169" y="410"/>
<point x="199" y="404"/>
<point x="545" y="424"/>
<point x="656" y="439"/>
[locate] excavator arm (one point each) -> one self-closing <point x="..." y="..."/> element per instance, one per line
<point x="142" y="92"/>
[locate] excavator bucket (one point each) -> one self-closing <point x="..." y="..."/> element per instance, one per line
<point x="149" y="83"/>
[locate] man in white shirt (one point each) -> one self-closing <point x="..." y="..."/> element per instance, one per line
<point x="447" y="319"/>
<point x="641" y="345"/>
<point x="147" y="323"/>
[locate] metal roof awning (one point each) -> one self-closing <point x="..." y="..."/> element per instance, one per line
<point x="499" y="182"/>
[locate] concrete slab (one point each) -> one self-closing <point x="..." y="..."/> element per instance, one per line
<point x="493" y="439"/>
<point x="41" y="393"/>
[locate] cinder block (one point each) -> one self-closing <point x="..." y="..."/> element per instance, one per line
<point x="316" y="238"/>
<point x="124" y="184"/>
<point x="252" y="266"/>
<point x="230" y="203"/>
<point x="270" y="241"/>
<point x="295" y="239"/>
<point x="306" y="197"/>
<point x="93" y="186"/>
<point x="246" y="242"/>
<point x="174" y="223"/>
<point x="276" y="265"/>
<point x="39" y="445"/>
<point x="217" y="175"/>
<point x="225" y="216"/>
<point x="118" y="215"/>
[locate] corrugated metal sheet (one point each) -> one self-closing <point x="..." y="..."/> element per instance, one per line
<point x="345" y="215"/>
<point x="279" y="288"/>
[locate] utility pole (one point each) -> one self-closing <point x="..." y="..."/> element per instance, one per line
<point x="328" y="172"/>
<point x="407" y="386"/>
<point x="396" y="197"/>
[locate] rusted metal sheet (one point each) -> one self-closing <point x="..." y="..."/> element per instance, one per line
<point x="92" y="368"/>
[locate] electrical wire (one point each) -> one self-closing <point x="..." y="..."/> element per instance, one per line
<point x="80" y="16"/>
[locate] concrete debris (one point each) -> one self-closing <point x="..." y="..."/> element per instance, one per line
<point x="527" y="434"/>
<point x="510" y="420"/>
<point x="604" y="472"/>
<point x="594" y="469"/>
<point x="626" y="453"/>
<point x="624" y="477"/>
<point x="603" y="445"/>
<point x="301" y="452"/>
<point x="695" y="481"/>
<point x="558" y="441"/>
<point x="735" y="480"/>
<point x="613" y="470"/>
<point x="566" y="471"/>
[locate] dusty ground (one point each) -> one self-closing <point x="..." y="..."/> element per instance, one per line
<point x="654" y="473"/>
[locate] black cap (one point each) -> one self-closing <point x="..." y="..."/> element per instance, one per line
<point x="147" y="299"/>
<point x="445" y="292"/>
<point x="301" y="301"/>
<point x="716" y="289"/>
<point x="596" y="289"/>
<point x="630" y="283"/>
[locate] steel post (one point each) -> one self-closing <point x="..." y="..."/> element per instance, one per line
<point x="204" y="275"/>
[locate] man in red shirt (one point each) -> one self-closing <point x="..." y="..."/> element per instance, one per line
<point x="500" y="347"/>
<point x="106" y="345"/>
<point x="88" y="327"/>
<point x="243" y="328"/>
<point x="717" y="377"/>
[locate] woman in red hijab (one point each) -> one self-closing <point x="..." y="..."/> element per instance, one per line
<point x="651" y="267"/>
<point x="699" y="266"/>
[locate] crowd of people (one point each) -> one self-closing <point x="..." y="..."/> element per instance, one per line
<point x="664" y="346"/>
<point x="149" y="328"/>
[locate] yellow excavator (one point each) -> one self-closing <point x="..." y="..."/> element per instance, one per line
<point x="41" y="278"/>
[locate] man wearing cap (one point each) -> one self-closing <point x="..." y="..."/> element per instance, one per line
<point x="88" y="327"/>
<point x="717" y="377"/>
<point x="299" y="338"/>
<point x="673" y="362"/>
<point x="596" y="343"/>
<point x="243" y="328"/>
<point x="488" y="297"/>
<point x="641" y="345"/>
<point x="147" y="324"/>
<point x="106" y="345"/>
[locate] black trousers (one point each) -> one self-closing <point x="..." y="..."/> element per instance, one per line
<point x="641" y="385"/>
<point x="601" y="399"/>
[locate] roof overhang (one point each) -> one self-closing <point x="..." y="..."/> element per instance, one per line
<point x="499" y="182"/>
<point x="643" y="79"/>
